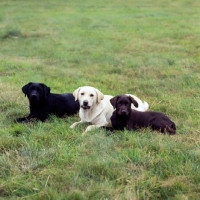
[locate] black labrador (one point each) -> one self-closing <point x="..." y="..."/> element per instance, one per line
<point x="125" y="117"/>
<point x="42" y="103"/>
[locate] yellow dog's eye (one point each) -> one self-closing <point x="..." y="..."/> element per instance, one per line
<point x="91" y="95"/>
<point x="82" y="93"/>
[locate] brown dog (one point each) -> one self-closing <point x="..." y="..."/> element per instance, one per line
<point x="125" y="117"/>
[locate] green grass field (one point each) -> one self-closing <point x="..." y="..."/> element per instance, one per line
<point x="148" y="48"/>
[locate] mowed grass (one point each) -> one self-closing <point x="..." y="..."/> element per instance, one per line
<point x="148" y="48"/>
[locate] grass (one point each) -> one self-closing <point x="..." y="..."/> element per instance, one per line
<point x="147" y="48"/>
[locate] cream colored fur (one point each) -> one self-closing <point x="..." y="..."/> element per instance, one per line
<point x="99" y="108"/>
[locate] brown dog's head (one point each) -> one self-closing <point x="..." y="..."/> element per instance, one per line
<point x="123" y="103"/>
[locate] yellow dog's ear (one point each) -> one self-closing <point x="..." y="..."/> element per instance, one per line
<point x="100" y="96"/>
<point x="75" y="93"/>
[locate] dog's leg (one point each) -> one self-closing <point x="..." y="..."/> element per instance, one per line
<point x="23" y="119"/>
<point x="20" y="120"/>
<point x="163" y="126"/>
<point x="76" y="123"/>
<point x="91" y="127"/>
<point x="170" y="129"/>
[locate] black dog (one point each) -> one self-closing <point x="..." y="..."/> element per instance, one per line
<point x="42" y="103"/>
<point x="125" y="117"/>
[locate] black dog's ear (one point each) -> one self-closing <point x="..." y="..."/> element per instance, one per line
<point x="113" y="101"/>
<point x="25" y="88"/>
<point x="135" y="103"/>
<point x="46" y="90"/>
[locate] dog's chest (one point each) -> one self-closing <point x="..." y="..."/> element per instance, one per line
<point x="87" y="116"/>
<point x="92" y="116"/>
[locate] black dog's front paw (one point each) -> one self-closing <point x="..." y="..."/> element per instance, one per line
<point x="22" y="120"/>
<point x="27" y="119"/>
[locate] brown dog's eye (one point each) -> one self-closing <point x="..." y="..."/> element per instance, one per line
<point x="91" y="95"/>
<point x="82" y="93"/>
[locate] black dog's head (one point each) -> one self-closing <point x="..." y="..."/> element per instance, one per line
<point x="36" y="92"/>
<point x="122" y="104"/>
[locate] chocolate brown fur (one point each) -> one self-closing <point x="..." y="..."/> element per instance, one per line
<point x="125" y="117"/>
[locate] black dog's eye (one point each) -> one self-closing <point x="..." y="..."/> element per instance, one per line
<point x="82" y="93"/>
<point x="91" y="95"/>
<point x="39" y="90"/>
<point x="30" y="89"/>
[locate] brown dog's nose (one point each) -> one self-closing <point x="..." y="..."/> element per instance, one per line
<point x="123" y="112"/>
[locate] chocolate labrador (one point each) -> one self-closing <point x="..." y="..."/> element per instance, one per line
<point x="125" y="117"/>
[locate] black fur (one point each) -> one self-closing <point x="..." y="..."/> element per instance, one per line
<point x="42" y="103"/>
<point x="125" y="117"/>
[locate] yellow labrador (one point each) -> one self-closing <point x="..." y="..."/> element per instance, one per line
<point x="96" y="108"/>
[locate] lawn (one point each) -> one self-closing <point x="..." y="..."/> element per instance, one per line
<point x="147" y="48"/>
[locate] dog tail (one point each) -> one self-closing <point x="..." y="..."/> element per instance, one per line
<point x="142" y="106"/>
<point x="146" y="106"/>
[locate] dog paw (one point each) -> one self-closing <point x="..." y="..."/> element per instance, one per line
<point x="83" y="133"/>
<point x="72" y="126"/>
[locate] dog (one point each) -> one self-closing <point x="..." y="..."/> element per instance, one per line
<point x="95" y="107"/>
<point x="125" y="117"/>
<point x="42" y="103"/>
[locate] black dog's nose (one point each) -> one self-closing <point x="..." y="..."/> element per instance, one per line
<point x="85" y="102"/>
<point x="33" y="97"/>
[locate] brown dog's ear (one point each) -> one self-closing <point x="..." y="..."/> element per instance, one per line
<point x="25" y="88"/>
<point x="46" y="90"/>
<point x="75" y="93"/>
<point x="135" y="103"/>
<point x="100" y="96"/>
<point x="113" y="101"/>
